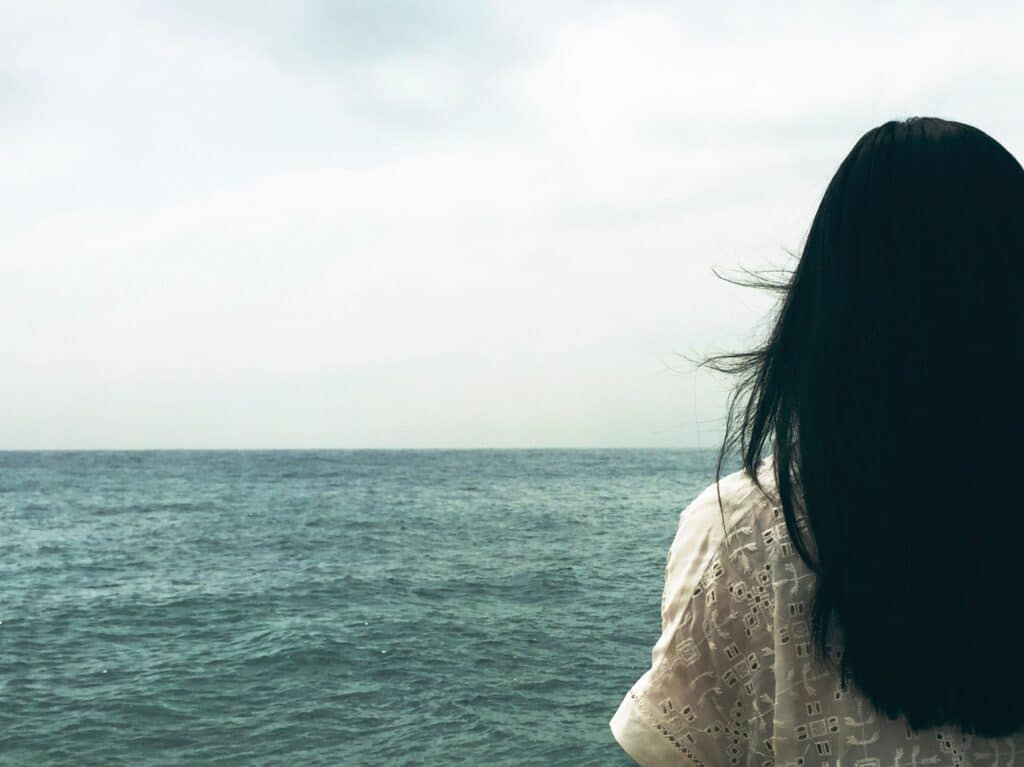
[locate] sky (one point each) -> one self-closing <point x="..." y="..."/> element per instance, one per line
<point x="434" y="223"/>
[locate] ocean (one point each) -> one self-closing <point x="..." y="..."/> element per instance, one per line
<point x="343" y="607"/>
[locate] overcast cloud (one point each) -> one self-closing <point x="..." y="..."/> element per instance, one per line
<point x="429" y="224"/>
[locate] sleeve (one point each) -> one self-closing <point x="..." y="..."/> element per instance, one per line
<point x="694" y="704"/>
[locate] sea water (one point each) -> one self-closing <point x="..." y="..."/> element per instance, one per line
<point x="378" y="607"/>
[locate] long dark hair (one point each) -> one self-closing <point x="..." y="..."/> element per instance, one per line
<point x="889" y="391"/>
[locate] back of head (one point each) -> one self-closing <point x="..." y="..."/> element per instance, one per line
<point x="888" y="393"/>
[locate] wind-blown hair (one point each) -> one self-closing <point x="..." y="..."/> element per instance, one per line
<point x="889" y="393"/>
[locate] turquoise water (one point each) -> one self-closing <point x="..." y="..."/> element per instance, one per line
<point x="484" y="607"/>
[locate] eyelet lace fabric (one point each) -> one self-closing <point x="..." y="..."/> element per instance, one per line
<point x="731" y="680"/>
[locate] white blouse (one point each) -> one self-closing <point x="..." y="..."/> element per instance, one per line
<point x="731" y="680"/>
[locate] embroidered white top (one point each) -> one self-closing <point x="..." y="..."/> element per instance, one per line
<point x="731" y="680"/>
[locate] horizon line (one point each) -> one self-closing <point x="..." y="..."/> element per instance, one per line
<point x="329" y="449"/>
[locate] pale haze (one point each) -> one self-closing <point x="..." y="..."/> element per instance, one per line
<point x="429" y="224"/>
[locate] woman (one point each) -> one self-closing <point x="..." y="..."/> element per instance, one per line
<point x="852" y="598"/>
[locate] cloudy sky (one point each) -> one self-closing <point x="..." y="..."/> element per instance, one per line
<point x="429" y="223"/>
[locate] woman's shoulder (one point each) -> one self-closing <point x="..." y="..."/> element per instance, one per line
<point x="740" y="493"/>
<point x="750" y="511"/>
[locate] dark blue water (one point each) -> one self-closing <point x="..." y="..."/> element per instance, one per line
<point x="482" y="607"/>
